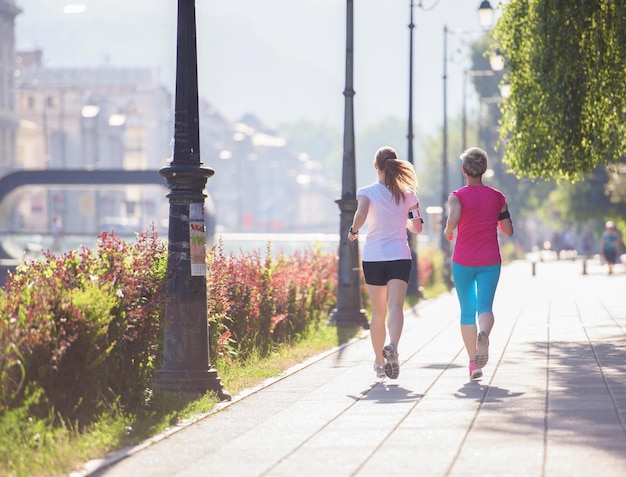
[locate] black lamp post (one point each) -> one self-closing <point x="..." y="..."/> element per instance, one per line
<point x="445" y="246"/>
<point x="413" y="288"/>
<point x="485" y="18"/>
<point x="348" y="311"/>
<point x="496" y="62"/>
<point x="186" y="361"/>
<point x="410" y="133"/>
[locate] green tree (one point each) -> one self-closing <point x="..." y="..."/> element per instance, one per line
<point x="567" y="70"/>
<point x="524" y="195"/>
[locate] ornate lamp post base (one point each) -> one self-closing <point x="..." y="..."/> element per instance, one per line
<point x="189" y="381"/>
<point x="349" y="317"/>
<point x="348" y="311"/>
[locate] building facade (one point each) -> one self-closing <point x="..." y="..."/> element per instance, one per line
<point x="99" y="118"/>
<point x="8" y="115"/>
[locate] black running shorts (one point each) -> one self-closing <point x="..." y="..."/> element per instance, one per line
<point x="379" y="273"/>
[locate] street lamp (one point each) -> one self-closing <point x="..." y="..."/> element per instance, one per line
<point x="186" y="361"/>
<point x="485" y="19"/>
<point x="470" y="74"/>
<point x="445" y="246"/>
<point x="413" y="286"/>
<point x="496" y="60"/>
<point x="466" y="75"/>
<point x="486" y="14"/>
<point x="497" y="64"/>
<point x="91" y="119"/>
<point x="348" y="311"/>
<point x="410" y="133"/>
<point x="91" y="113"/>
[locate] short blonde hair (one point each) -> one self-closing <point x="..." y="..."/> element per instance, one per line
<point x="474" y="161"/>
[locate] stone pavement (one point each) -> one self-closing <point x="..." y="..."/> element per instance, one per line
<point x="552" y="401"/>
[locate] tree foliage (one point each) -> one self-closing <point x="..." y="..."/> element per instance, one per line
<point x="567" y="71"/>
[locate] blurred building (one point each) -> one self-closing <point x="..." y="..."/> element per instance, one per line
<point x="122" y="118"/>
<point x="8" y="116"/>
<point x="96" y="118"/>
<point x="261" y="185"/>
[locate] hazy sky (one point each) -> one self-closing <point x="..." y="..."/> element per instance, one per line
<point x="282" y="60"/>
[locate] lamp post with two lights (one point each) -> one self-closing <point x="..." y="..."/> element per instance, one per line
<point x="485" y="19"/>
<point x="497" y="65"/>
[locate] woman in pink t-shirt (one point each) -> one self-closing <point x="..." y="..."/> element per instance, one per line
<point x="390" y="206"/>
<point x="477" y="212"/>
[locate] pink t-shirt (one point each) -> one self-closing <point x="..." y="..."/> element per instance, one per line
<point x="477" y="233"/>
<point x="386" y="224"/>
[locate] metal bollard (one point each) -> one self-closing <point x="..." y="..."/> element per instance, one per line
<point x="584" y="266"/>
<point x="533" y="266"/>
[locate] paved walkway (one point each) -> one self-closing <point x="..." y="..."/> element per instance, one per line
<point x="552" y="401"/>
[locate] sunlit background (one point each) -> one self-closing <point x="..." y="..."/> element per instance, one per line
<point x="89" y="85"/>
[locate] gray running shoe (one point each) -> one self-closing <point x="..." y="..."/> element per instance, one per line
<point x="482" y="350"/>
<point x="392" y="367"/>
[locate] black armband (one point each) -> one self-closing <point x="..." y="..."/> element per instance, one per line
<point x="504" y="215"/>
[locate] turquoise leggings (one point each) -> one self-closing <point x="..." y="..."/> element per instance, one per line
<point x="476" y="289"/>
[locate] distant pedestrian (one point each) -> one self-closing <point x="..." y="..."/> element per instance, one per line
<point x="390" y="207"/>
<point x="57" y="234"/>
<point x="477" y="211"/>
<point x="610" y="245"/>
<point x="587" y="243"/>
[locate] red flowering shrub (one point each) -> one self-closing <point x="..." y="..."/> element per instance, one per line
<point x="255" y="303"/>
<point x="430" y="266"/>
<point x="424" y="269"/>
<point x="84" y="326"/>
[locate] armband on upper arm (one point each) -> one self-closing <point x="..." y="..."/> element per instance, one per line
<point x="504" y="215"/>
<point x="415" y="214"/>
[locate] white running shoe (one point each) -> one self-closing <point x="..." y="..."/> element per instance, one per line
<point x="379" y="369"/>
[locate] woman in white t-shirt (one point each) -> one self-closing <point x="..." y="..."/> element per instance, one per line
<point x="390" y="207"/>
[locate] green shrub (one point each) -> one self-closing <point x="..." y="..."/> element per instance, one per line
<point x="84" y="326"/>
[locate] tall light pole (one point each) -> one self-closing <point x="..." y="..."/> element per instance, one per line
<point x="445" y="247"/>
<point x="410" y="133"/>
<point x="497" y="65"/>
<point x="471" y="74"/>
<point x="413" y="288"/>
<point x="186" y="361"/>
<point x="485" y="18"/>
<point x="348" y="311"/>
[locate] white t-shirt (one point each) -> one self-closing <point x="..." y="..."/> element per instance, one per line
<point x="386" y="224"/>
